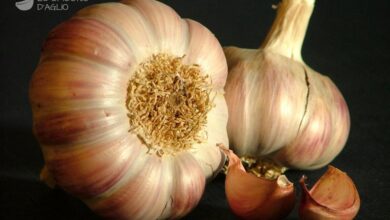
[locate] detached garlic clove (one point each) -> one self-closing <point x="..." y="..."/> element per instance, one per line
<point x="279" y="107"/>
<point x="334" y="196"/>
<point x="252" y="197"/>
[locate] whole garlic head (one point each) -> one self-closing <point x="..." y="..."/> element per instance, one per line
<point x="279" y="107"/>
<point x="128" y="106"/>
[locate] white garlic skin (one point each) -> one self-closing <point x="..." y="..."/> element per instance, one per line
<point x="281" y="108"/>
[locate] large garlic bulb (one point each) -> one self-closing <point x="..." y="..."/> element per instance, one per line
<point x="279" y="107"/>
<point x="128" y="107"/>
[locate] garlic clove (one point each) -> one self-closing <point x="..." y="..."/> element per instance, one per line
<point x="160" y="190"/>
<point x="69" y="89"/>
<point x="213" y="62"/>
<point x="127" y="23"/>
<point x="252" y="197"/>
<point x="88" y="170"/>
<point x="139" y="196"/>
<point x="206" y="153"/>
<point x="333" y="196"/>
<point x="211" y="159"/>
<point x="77" y="36"/>
<point x="167" y="26"/>
<point x="322" y="136"/>
<point x="266" y="100"/>
<point x="187" y="190"/>
<point x="217" y="116"/>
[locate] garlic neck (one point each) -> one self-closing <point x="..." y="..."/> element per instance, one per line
<point x="288" y="30"/>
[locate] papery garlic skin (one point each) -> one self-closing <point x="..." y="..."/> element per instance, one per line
<point x="278" y="106"/>
<point x="252" y="197"/>
<point x="78" y="96"/>
<point x="333" y="196"/>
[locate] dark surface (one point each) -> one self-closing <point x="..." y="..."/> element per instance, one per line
<point x="346" y="40"/>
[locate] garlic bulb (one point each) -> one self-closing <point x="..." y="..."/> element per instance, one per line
<point x="279" y="107"/>
<point x="128" y="106"/>
<point x="333" y="196"/>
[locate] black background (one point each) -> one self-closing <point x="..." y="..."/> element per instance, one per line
<point x="346" y="40"/>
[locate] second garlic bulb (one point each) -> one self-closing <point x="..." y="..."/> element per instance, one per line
<point x="279" y="107"/>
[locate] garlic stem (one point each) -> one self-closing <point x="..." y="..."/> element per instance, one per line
<point x="288" y="30"/>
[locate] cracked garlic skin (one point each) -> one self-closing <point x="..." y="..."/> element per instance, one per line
<point x="279" y="107"/>
<point x="128" y="106"/>
<point x="333" y="197"/>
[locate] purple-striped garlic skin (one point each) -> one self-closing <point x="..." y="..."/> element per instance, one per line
<point x="79" y="94"/>
<point x="324" y="129"/>
<point x="279" y="107"/>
